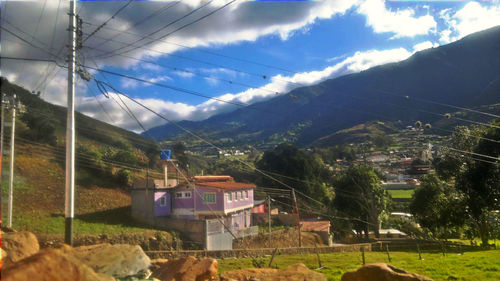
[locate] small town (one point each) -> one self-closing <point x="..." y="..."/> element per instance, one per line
<point x="250" y="140"/>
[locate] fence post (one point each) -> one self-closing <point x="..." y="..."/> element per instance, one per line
<point x="387" y="250"/>
<point x="419" y="253"/>
<point x="272" y="257"/>
<point x="317" y="253"/>
<point x="443" y="249"/>
<point x="363" y="254"/>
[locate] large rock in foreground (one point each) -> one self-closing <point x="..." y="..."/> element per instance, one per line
<point x="49" y="265"/>
<point x="120" y="260"/>
<point x="296" y="272"/>
<point x="381" y="272"/>
<point x="187" y="269"/>
<point x="19" y="245"/>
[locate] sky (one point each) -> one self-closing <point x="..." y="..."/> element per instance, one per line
<point x="236" y="52"/>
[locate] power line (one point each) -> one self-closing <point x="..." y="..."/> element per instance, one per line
<point x="150" y="16"/>
<point x="158" y="30"/>
<point x="104" y="23"/>
<point x="191" y="92"/>
<point x="408" y="97"/>
<point x="199" y="50"/>
<point x="263" y="76"/>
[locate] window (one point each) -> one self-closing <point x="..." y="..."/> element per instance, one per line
<point x="241" y="195"/>
<point x="229" y="196"/>
<point x="236" y="196"/>
<point x="246" y="194"/>
<point x="178" y="195"/>
<point x="187" y="194"/>
<point x="163" y="201"/>
<point x="209" y="197"/>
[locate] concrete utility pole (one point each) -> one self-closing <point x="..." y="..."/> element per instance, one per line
<point x="1" y="137"/>
<point x="69" y="211"/>
<point x="11" y="168"/>
<point x="298" y="217"/>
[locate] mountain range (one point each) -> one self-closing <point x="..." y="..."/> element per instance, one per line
<point x="465" y="73"/>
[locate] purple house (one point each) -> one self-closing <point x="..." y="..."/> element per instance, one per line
<point x="204" y="198"/>
<point x="213" y="197"/>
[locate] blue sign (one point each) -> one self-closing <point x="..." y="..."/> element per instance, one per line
<point x="165" y="154"/>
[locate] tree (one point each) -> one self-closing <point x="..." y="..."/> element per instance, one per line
<point x="437" y="206"/>
<point x="476" y="176"/>
<point x="302" y="171"/>
<point x="359" y="195"/>
<point x="179" y="153"/>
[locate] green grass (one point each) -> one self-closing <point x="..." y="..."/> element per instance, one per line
<point x="481" y="265"/>
<point x="478" y="241"/>
<point x="113" y="221"/>
<point x="401" y="193"/>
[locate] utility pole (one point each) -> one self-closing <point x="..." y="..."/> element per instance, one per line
<point x="298" y="217"/>
<point x="269" y="217"/>
<point x="70" y="129"/>
<point x="1" y="137"/>
<point x="11" y="168"/>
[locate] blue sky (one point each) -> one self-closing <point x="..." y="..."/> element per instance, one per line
<point x="304" y="42"/>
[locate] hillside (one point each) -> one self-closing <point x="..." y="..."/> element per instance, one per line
<point x="107" y="158"/>
<point x="464" y="73"/>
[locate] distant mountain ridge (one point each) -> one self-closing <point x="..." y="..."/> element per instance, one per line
<point x="464" y="73"/>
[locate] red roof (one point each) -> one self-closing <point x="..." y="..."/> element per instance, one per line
<point x="226" y="184"/>
<point x="212" y="178"/>
<point x="315" y="226"/>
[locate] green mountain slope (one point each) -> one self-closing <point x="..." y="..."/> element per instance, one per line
<point x="464" y="73"/>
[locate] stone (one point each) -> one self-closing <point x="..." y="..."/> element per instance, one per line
<point x="158" y="263"/>
<point x="19" y="245"/>
<point x="119" y="260"/>
<point x="296" y="272"/>
<point x="187" y="269"/>
<point x="381" y="272"/>
<point x="51" y="264"/>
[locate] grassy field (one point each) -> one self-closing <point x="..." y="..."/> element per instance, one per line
<point x="401" y="193"/>
<point x="481" y="265"/>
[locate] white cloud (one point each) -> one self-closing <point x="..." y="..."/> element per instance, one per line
<point x="241" y="21"/>
<point x="471" y="18"/>
<point x="278" y="85"/>
<point x="403" y="23"/>
<point x="183" y="74"/>
<point x="424" y="45"/>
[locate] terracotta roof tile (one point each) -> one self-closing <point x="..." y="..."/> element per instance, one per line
<point x="226" y="185"/>
<point x="212" y="178"/>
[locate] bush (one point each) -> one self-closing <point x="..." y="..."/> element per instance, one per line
<point x="124" y="177"/>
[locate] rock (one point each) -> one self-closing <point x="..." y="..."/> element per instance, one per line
<point x="51" y="264"/>
<point x="158" y="263"/>
<point x="381" y="272"/>
<point x="3" y="255"/>
<point x="118" y="260"/>
<point x="19" y="245"/>
<point x="296" y="272"/>
<point x="187" y="269"/>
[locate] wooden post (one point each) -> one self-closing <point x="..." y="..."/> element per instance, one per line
<point x="272" y="257"/>
<point x="298" y="217"/>
<point x="363" y="254"/>
<point x="387" y="251"/>
<point x="317" y="254"/>
<point x="269" y="218"/>
<point x="443" y="249"/>
<point x="419" y="253"/>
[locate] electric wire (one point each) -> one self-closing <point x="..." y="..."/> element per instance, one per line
<point x="107" y="21"/>
<point x="158" y="30"/>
